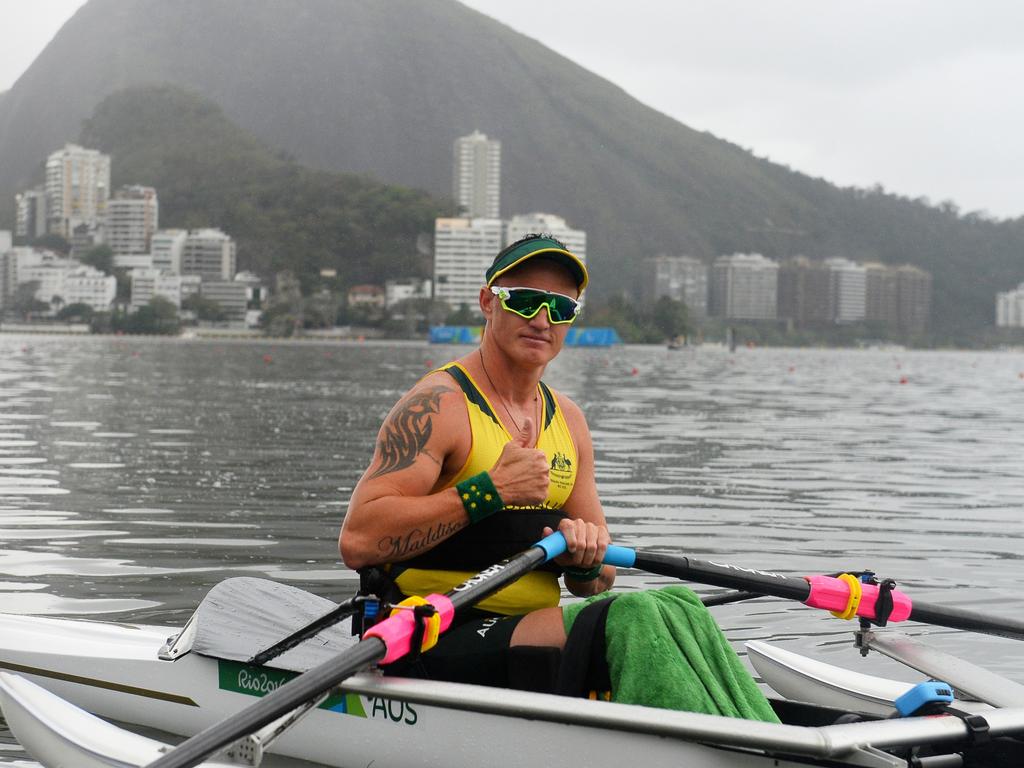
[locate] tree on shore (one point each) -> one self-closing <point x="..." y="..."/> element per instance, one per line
<point x="101" y="257"/>
<point x="24" y="302"/>
<point x="206" y="309"/>
<point x="78" y="311"/>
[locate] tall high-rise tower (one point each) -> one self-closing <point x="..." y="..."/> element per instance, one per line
<point x="77" y="188"/>
<point x="132" y="219"/>
<point x="477" y="176"/>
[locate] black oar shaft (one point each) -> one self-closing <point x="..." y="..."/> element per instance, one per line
<point x="329" y="619"/>
<point x="723" y="575"/>
<point x="495" y="578"/>
<point x="959" y="618"/>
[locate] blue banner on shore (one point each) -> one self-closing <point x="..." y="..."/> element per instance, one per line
<point x="455" y="334"/>
<point x="592" y="337"/>
<point x="577" y="337"/>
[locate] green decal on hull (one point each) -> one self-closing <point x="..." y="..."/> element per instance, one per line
<point x="259" y="681"/>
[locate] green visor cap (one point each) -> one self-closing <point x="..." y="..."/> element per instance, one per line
<point x="539" y="246"/>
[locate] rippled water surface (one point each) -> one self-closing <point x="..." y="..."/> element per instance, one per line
<point x="135" y="474"/>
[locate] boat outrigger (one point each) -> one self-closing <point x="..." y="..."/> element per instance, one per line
<point x="318" y="698"/>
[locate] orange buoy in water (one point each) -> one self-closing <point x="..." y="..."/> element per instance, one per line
<point x="634" y="372"/>
<point x="792" y="368"/>
<point x="903" y="379"/>
<point x="428" y="363"/>
<point x="268" y="359"/>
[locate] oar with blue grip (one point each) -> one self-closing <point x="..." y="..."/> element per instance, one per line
<point x="801" y="588"/>
<point x="554" y="545"/>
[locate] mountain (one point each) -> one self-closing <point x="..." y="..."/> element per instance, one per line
<point x="383" y="87"/>
<point x="283" y="215"/>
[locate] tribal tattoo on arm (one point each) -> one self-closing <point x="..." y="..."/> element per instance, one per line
<point x="406" y="432"/>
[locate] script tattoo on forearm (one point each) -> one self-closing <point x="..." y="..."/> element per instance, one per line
<point x="407" y="430"/>
<point x="416" y="539"/>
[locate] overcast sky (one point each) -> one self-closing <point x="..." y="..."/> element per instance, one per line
<point x="921" y="96"/>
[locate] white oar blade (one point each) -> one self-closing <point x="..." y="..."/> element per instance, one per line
<point x="242" y="616"/>
<point x="60" y="735"/>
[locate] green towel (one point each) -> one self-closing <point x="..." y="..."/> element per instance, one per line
<point x="665" y="650"/>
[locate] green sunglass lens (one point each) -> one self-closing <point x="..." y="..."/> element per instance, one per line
<point x="529" y="303"/>
<point x="556" y="310"/>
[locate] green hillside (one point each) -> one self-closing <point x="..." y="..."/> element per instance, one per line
<point x="383" y="87"/>
<point x="209" y="172"/>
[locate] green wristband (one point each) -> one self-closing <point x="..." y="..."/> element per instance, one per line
<point x="479" y="497"/>
<point x="584" y="574"/>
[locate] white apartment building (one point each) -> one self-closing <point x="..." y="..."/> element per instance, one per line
<point x="6" y="241"/>
<point x="463" y="250"/>
<point x="403" y="289"/>
<point x="58" y="278"/>
<point x="167" y="247"/>
<point x="30" y="213"/>
<point x="132" y="219"/>
<point x="44" y="267"/>
<point x="86" y="285"/>
<point x="1010" y="308"/>
<point x="477" y="176"/>
<point x="77" y="188"/>
<point x="682" y="278"/>
<point x="147" y="283"/>
<point x="848" y="289"/>
<point x="210" y="254"/>
<point x="744" y="286"/>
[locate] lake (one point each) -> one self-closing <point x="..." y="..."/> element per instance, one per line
<point x="136" y="473"/>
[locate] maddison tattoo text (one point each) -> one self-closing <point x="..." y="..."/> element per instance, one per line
<point x="415" y="540"/>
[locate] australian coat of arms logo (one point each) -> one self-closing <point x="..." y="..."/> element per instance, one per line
<point x="560" y="462"/>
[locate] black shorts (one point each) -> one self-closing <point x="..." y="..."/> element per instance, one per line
<point x="474" y="651"/>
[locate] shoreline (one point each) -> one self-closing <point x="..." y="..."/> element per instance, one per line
<point x="346" y="339"/>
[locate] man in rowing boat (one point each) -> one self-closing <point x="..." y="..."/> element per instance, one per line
<point x="478" y="461"/>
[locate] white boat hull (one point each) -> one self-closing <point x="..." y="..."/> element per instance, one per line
<point x="113" y="671"/>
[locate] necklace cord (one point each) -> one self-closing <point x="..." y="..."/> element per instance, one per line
<point x="498" y="393"/>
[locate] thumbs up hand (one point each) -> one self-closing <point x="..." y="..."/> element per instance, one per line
<point x="526" y="437"/>
<point x="521" y="472"/>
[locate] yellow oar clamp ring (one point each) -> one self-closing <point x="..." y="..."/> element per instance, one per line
<point x="854" y="601"/>
<point x="431" y="624"/>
